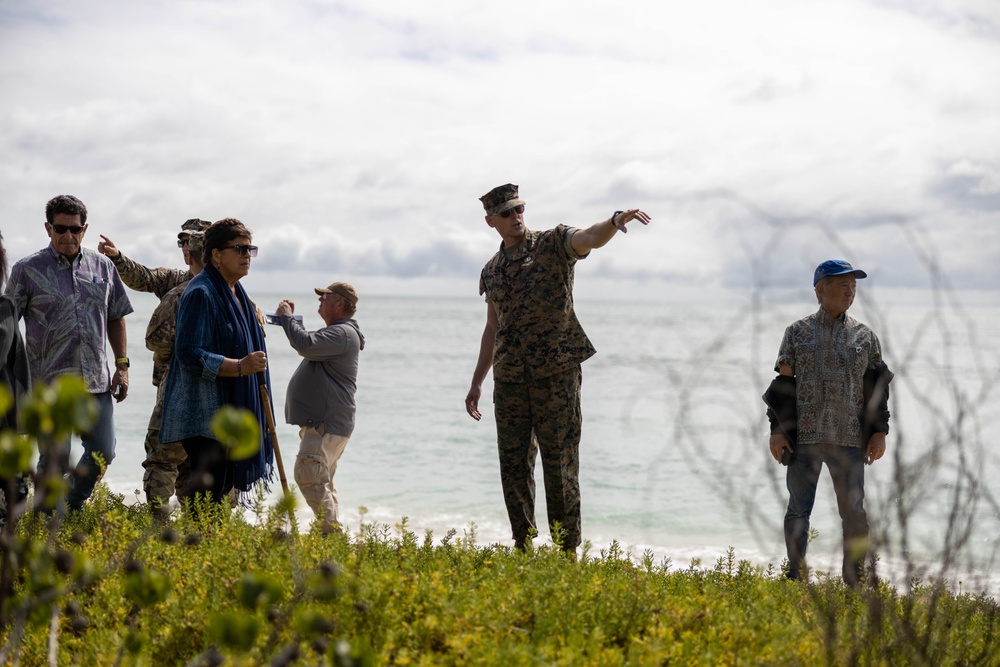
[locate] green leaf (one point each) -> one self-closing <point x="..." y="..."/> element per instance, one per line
<point x="55" y="411"/>
<point x="238" y="430"/>
<point x="345" y="654"/>
<point x="237" y="631"/>
<point x="15" y="454"/>
<point x="258" y="590"/>
<point x="146" y="587"/>
<point x="136" y="641"/>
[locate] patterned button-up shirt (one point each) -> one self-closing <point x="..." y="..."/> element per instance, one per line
<point x="531" y="288"/>
<point x="829" y="358"/>
<point x="66" y="308"/>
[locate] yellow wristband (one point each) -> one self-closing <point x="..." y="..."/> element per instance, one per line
<point x="122" y="360"/>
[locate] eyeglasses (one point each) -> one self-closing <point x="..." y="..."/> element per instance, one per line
<point x="519" y="209"/>
<point x="242" y="250"/>
<point x="62" y="229"/>
<point x="183" y="242"/>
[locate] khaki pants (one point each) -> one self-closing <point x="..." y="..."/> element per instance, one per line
<point x="315" y="466"/>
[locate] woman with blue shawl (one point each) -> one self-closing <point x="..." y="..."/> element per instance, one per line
<point x="219" y="359"/>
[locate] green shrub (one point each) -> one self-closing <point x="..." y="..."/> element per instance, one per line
<point x="115" y="585"/>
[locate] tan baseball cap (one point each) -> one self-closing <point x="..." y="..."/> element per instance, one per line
<point x="340" y="289"/>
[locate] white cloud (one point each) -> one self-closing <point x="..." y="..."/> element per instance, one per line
<point x="358" y="136"/>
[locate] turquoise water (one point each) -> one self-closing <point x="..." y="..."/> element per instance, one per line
<point x="674" y="456"/>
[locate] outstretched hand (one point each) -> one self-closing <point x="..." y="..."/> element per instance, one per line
<point x="107" y="247"/>
<point x="625" y="217"/>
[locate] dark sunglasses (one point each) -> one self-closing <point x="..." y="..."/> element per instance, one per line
<point x="242" y="250"/>
<point x="62" y="229"/>
<point x="519" y="209"/>
<point x="183" y="242"/>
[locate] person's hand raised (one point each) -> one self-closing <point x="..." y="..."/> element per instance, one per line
<point x="107" y="247"/>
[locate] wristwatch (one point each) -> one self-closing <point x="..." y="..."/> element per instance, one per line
<point x="122" y="360"/>
<point x="614" y="222"/>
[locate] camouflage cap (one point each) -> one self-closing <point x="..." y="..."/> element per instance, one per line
<point x="196" y="244"/>
<point x="193" y="225"/>
<point x="501" y="198"/>
<point x="340" y="289"/>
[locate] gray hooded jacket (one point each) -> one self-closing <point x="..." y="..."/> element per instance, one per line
<point x="322" y="388"/>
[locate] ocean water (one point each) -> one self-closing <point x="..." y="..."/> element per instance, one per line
<point x="674" y="456"/>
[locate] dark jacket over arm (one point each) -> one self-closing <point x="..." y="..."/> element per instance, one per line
<point x="876" y="411"/>
<point x="781" y="412"/>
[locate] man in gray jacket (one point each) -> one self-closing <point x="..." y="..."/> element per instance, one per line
<point x="320" y="398"/>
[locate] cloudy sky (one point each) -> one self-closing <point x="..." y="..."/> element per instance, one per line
<point x="354" y="138"/>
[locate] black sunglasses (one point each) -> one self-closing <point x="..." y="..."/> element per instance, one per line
<point x="183" y="242"/>
<point x="242" y="250"/>
<point x="519" y="209"/>
<point x="62" y="229"/>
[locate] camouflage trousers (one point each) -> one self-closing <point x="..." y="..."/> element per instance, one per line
<point x="166" y="466"/>
<point x="541" y="415"/>
<point x="166" y="470"/>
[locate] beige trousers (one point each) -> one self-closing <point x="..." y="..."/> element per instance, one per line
<point x="315" y="466"/>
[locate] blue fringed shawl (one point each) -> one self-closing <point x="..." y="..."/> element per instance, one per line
<point x="212" y="324"/>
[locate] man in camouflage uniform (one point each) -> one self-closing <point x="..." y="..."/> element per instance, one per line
<point x="163" y="468"/>
<point x="167" y="464"/>
<point x="535" y="345"/>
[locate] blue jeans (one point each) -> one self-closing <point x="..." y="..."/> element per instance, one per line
<point x="847" y="469"/>
<point x="99" y="440"/>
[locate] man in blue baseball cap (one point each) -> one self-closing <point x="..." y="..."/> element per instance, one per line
<point x="829" y="404"/>
<point x="835" y="267"/>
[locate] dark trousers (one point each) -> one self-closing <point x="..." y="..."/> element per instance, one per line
<point x="847" y="470"/>
<point x="542" y="414"/>
<point x="211" y="468"/>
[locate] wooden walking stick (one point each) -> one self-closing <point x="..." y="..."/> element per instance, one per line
<point x="269" y="411"/>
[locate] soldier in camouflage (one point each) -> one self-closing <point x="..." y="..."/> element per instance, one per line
<point x="164" y="467"/>
<point x="535" y="345"/>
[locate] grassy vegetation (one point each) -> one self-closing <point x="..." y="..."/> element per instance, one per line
<point x="112" y="586"/>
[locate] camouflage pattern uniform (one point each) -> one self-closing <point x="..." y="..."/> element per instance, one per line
<point x="162" y="465"/>
<point x="166" y="465"/>
<point x="536" y="371"/>
<point x="143" y="279"/>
